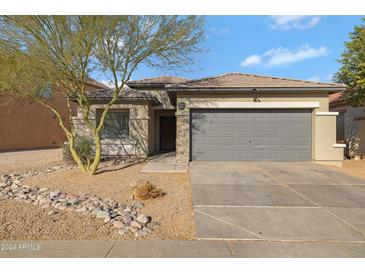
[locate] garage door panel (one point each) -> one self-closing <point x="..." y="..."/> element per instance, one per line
<point x="271" y="155"/>
<point x="212" y="128"/>
<point x="267" y="135"/>
<point x="212" y="140"/>
<point x="242" y="140"/>
<point x="287" y="140"/>
<point x="238" y="128"/>
<point x="272" y="140"/>
<point x="227" y="140"/>
<point x="302" y="140"/>
<point x="255" y="155"/>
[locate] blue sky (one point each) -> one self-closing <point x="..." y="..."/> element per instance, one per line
<point x="284" y="46"/>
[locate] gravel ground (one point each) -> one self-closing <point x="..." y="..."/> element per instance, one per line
<point x="353" y="167"/>
<point x="21" y="221"/>
<point x="173" y="211"/>
<point x="20" y="161"/>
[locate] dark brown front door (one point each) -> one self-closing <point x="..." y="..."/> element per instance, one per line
<point x="167" y="133"/>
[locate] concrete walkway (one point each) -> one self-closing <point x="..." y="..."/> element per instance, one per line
<point x="180" y="249"/>
<point x="165" y="163"/>
<point x="277" y="202"/>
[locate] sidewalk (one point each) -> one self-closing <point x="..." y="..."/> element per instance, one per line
<point x="179" y="249"/>
<point x="165" y="163"/>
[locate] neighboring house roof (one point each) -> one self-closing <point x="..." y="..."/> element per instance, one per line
<point x="336" y="98"/>
<point x="241" y="81"/>
<point x="126" y="94"/>
<point x="156" y="81"/>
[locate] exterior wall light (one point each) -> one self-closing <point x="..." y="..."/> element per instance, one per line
<point x="181" y="105"/>
<point x="255" y="96"/>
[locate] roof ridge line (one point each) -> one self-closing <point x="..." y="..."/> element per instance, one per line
<point x="155" y="77"/>
<point x="261" y="76"/>
<point x="210" y="77"/>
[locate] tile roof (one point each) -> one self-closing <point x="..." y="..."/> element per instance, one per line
<point x="162" y="80"/>
<point x="126" y="93"/>
<point x="337" y="97"/>
<point x="242" y="80"/>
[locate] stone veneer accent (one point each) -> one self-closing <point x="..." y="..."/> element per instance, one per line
<point x="136" y="144"/>
<point x="182" y="137"/>
<point x="182" y="133"/>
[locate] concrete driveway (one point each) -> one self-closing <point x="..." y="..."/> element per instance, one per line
<point x="278" y="202"/>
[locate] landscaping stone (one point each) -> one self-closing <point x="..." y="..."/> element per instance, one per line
<point x="119" y="224"/>
<point x="133" y="229"/>
<point x="122" y="232"/>
<point x="138" y="205"/>
<point x="147" y="230"/>
<point x="127" y="219"/>
<point x="54" y="193"/>
<point x="140" y="233"/>
<point x="62" y="207"/>
<point x="136" y="224"/>
<point x="43" y="189"/>
<point x="102" y="214"/>
<point x="123" y="217"/>
<point x="144" y="219"/>
<point x="82" y="209"/>
<point x="43" y="201"/>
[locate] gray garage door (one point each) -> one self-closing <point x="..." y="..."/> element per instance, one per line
<point x="253" y="135"/>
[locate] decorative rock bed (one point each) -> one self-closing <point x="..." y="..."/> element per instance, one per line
<point x="125" y="218"/>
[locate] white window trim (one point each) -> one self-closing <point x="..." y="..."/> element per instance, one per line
<point x="339" y="145"/>
<point x="327" y="113"/>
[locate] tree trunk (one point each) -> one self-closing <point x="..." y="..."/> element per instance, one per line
<point x="74" y="155"/>
<point x="97" y="158"/>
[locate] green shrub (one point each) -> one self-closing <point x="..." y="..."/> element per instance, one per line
<point x="83" y="147"/>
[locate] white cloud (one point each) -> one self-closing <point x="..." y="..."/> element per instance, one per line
<point x="282" y="56"/>
<point x="251" y="60"/>
<point x="287" y="22"/>
<point x="109" y="83"/>
<point x="219" y="31"/>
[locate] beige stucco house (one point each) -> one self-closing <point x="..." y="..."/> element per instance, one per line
<point x="350" y="125"/>
<point x="228" y="117"/>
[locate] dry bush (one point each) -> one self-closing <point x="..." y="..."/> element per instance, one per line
<point x="146" y="191"/>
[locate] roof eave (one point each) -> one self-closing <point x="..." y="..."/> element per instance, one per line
<point x="154" y="100"/>
<point x="330" y="89"/>
<point x="147" y="85"/>
<point x="338" y="103"/>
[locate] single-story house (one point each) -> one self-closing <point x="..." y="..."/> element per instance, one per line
<point x="350" y="125"/>
<point x="228" y="117"/>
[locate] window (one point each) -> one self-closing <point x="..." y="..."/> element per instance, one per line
<point x="115" y="124"/>
<point x="45" y="93"/>
<point x="340" y="127"/>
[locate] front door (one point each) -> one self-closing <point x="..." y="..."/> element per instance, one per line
<point x="167" y="133"/>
